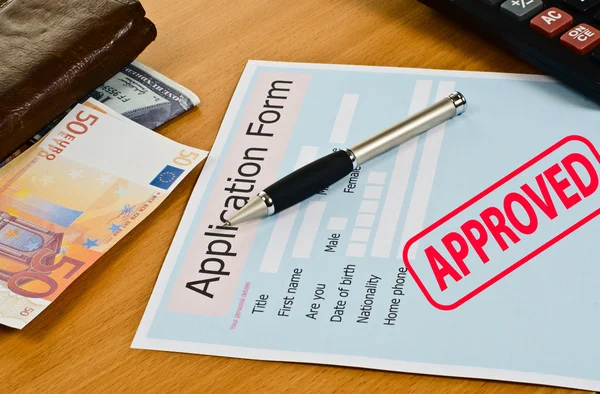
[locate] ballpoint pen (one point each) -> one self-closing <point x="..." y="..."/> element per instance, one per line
<point x="321" y="173"/>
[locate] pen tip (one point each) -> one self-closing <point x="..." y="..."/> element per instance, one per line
<point x="226" y="223"/>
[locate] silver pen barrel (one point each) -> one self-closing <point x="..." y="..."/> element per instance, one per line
<point x="438" y="113"/>
<point x="315" y="176"/>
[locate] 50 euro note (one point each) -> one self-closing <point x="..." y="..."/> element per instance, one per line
<point x="74" y="195"/>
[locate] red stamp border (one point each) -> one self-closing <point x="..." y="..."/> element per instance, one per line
<point x="481" y="195"/>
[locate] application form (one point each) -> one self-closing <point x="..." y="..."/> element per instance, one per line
<point x="469" y="251"/>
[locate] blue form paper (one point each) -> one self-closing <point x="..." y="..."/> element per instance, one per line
<point x="468" y="251"/>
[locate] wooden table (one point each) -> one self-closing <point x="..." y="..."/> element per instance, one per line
<point x="82" y="342"/>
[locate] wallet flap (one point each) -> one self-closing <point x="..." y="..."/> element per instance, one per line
<point x="54" y="53"/>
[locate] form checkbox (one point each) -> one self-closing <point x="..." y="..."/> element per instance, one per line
<point x="356" y="250"/>
<point x="368" y="206"/>
<point x="376" y="178"/>
<point x="337" y="223"/>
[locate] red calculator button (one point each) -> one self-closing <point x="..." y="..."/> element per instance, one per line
<point x="581" y="39"/>
<point x="551" y="22"/>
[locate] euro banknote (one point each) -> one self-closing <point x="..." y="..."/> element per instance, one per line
<point x="138" y="93"/>
<point x="72" y="196"/>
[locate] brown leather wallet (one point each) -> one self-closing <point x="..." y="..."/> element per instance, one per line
<point x="52" y="53"/>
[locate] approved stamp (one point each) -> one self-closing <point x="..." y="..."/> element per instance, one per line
<point x="507" y="225"/>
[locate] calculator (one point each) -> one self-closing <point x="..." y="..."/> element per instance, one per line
<point x="560" y="37"/>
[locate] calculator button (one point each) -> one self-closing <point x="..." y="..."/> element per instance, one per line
<point x="582" y="5"/>
<point x="581" y="39"/>
<point x="552" y="22"/>
<point x="522" y="9"/>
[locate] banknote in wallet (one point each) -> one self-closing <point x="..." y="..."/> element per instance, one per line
<point x="138" y="93"/>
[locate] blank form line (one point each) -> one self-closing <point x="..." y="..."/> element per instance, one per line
<point x="307" y="154"/>
<point x="308" y="230"/>
<point x="343" y="120"/>
<point x="394" y="200"/>
<point x="425" y="176"/>
<point x="285" y="221"/>
<point x="278" y="241"/>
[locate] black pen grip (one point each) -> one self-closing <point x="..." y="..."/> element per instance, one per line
<point x="309" y="180"/>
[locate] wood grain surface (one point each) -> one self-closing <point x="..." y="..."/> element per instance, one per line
<point x="81" y="343"/>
